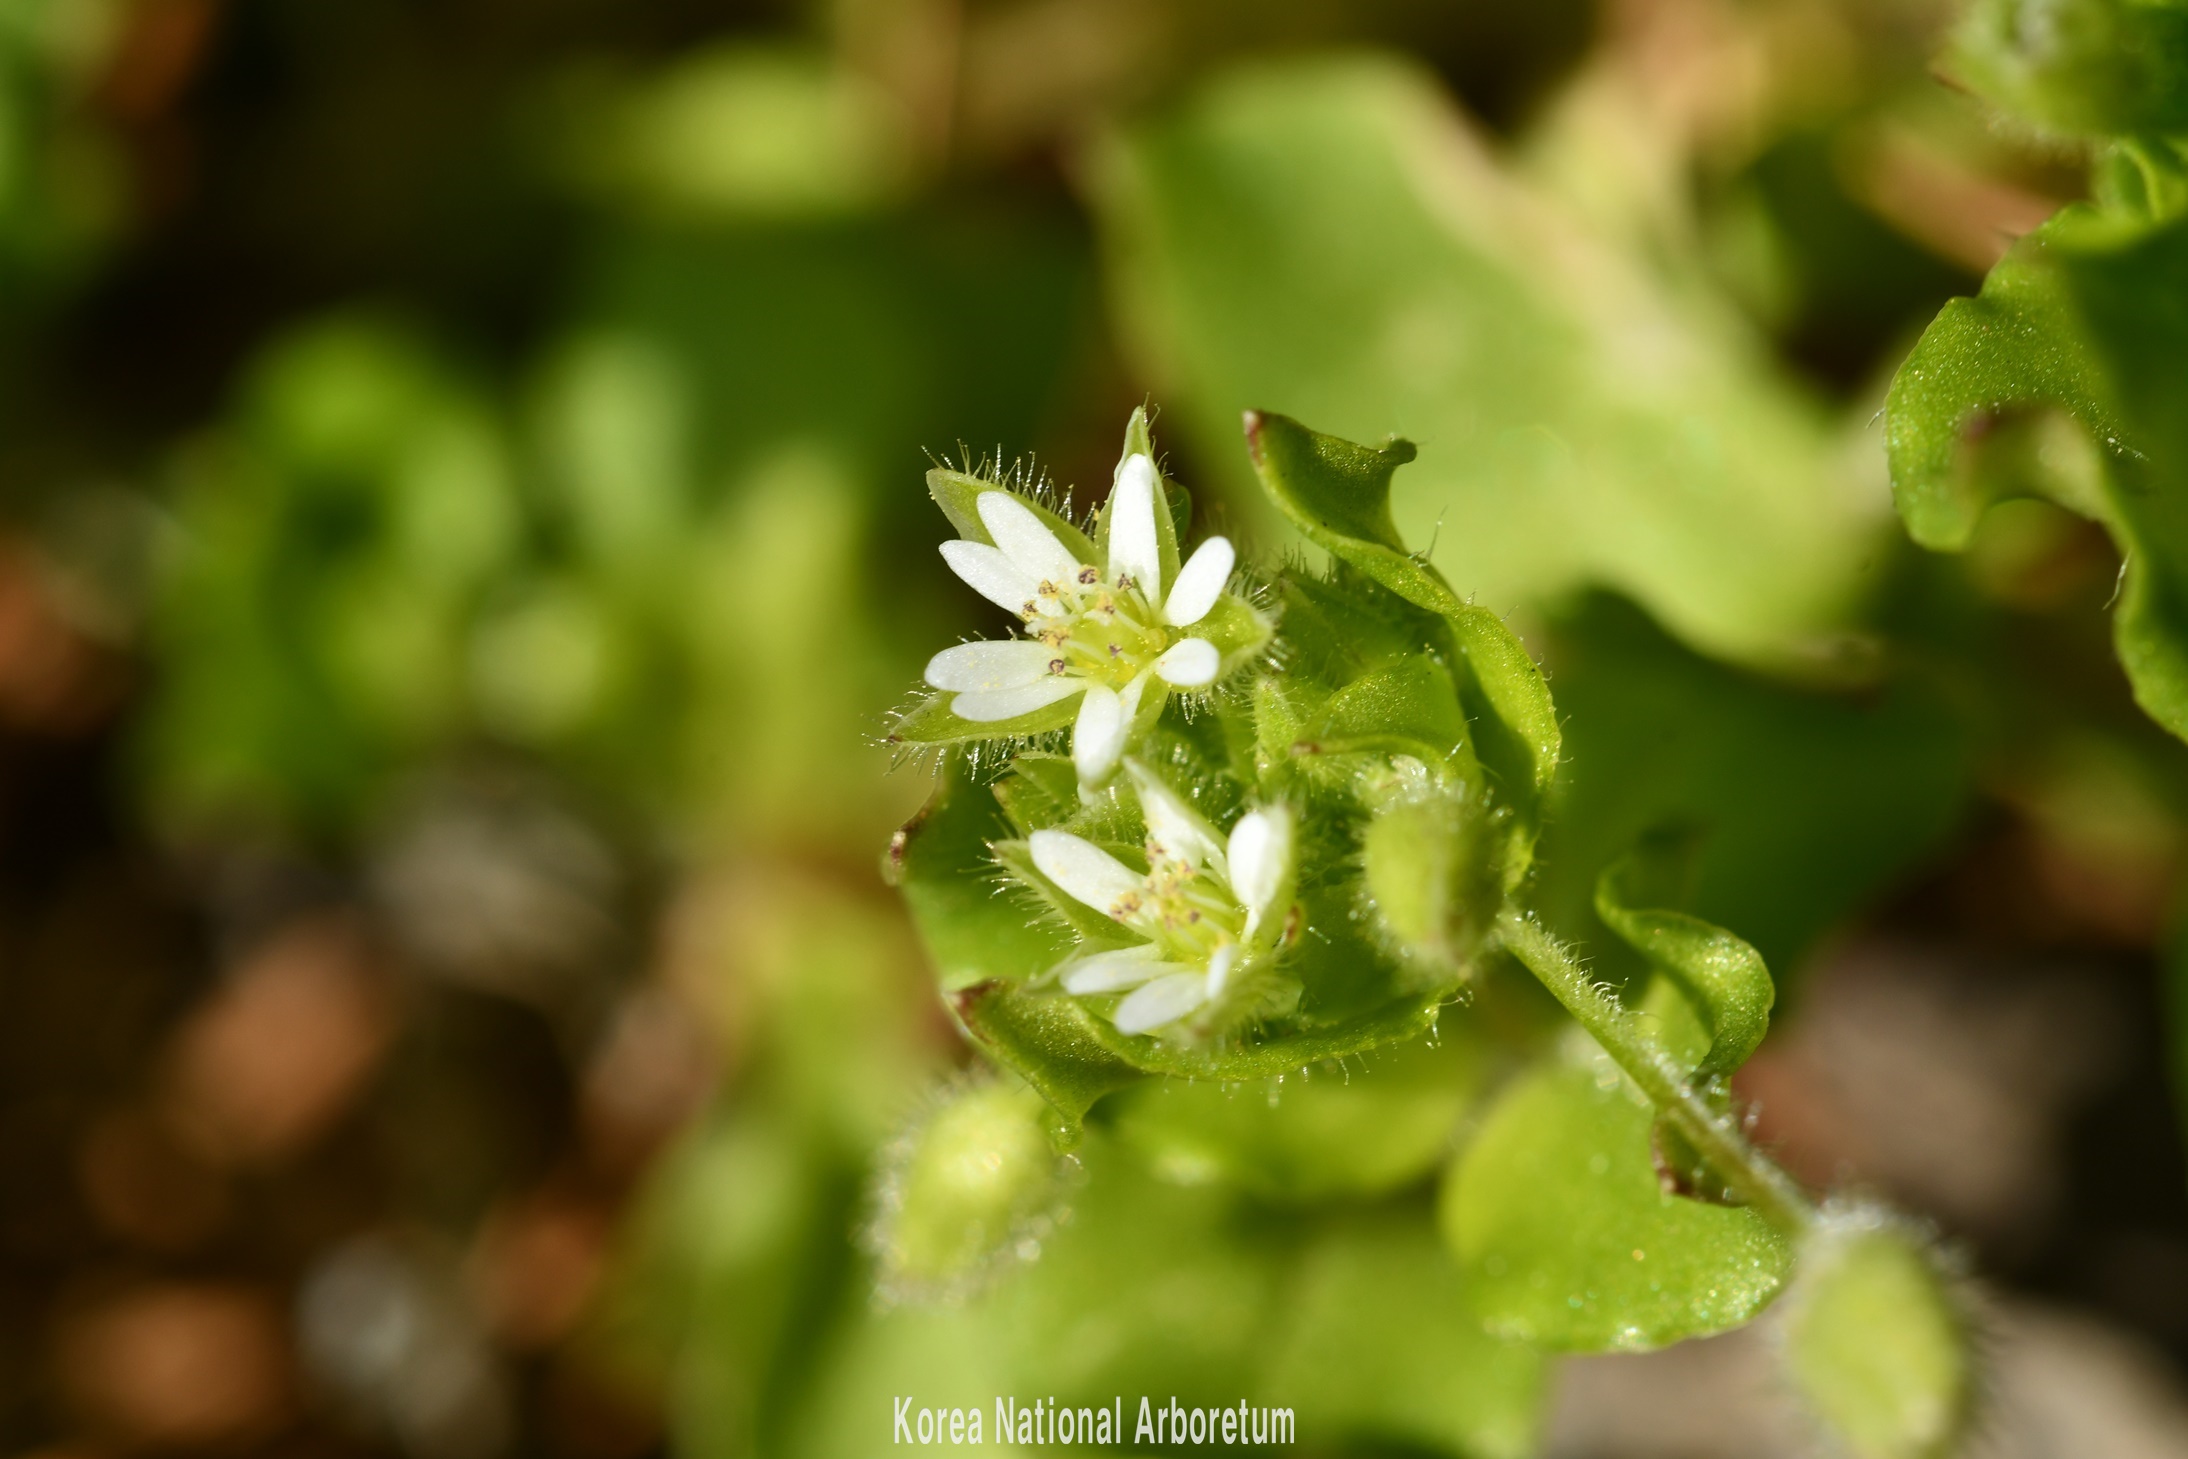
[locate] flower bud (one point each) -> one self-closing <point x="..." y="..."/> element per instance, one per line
<point x="975" y="1180"/>
<point x="1433" y="870"/>
<point x="1875" y="1341"/>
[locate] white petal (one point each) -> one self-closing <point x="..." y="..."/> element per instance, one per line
<point x="1010" y="663"/>
<point x="1109" y="972"/>
<point x="1025" y="538"/>
<point x="1261" y="860"/>
<point x="985" y="706"/>
<point x="1084" y="870"/>
<point x="1173" y="825"/>
<point x="1132" y="544"/>
<point x="1131" y="697"/>
<point x="1220" y="963"/>
<point x="1200" y="582"/>
<point x="992" y="575"/>
<point x="1166" y="1000"/>
<point x="1097" y="741"/>
<point x="1189" y="663"/>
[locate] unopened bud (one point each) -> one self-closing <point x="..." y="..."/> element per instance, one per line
<point x="1433" y="863"/>
<point x="976" y="1180"/>
<point x="1876" y="1343"/>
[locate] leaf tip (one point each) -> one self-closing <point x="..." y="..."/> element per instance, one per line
<point x="1254" y="421"/>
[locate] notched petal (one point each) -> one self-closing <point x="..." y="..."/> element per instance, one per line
<point x="1025" y="539"/>
<point x="1163" y="1001"/>
<point x="985" y="706"/>
<point x="1200" y="582"/>
<point x="992" y="575"/>
<point x="1172" y="824"/>
<point x="1113" y="972"/>
<point x="1010" y="663"/>
<point x="1097" y="740"/>
<point x="1189" y="664"/>
<point x="1134" y="549"/>
<point x="1261" y="860"/>
<point x="1084" y="871"/>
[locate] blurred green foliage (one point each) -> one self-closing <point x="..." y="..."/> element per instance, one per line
<point x="578" y="429"/>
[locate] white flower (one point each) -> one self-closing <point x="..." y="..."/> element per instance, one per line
<point x="1208" y="909"/>
<point x="1103" y="630"/>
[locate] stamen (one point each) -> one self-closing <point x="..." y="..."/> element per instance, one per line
<point x="1089" y="576"/>
<point x="1056" y="666"/>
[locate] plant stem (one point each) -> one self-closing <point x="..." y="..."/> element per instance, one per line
<point x="1716" y="1137"/>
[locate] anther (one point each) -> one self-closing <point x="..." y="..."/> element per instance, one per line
<point x="1089" y="576"/>
<point x="1055" y="666"/>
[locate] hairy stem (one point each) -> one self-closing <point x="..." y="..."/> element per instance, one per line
<point x="1716" y="1137"/>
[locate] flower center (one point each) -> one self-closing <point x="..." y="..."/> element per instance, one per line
<point x="1107" y="632"/>
<point x="1188" y="912"/>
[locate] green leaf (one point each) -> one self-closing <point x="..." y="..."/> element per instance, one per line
<point x="931" y="722"/>
<point x="1280" y="1050"/>
<point x="1239" y="631"/>
<point x="1341" y="626"/>
<point x="1048" y="1040"/>
<point x="1338" y="494"/>
<point x="1150" y="1288"/>
<point x="1039" y="791"/>
<point x="958" y="494"/>
<point x="1810" y="804"/>
<point x="1325" y="239"/>
<point x="2080" y="332"/>
<point x="1723" y="977"/>
<point x="975" y="932"/>
<point x="1381" y="1123"/>
<point x="1381" y="1345"/>
<point x="1876" y="1346"/>
<point x="2084" y="68"/>
<point x="1409" y="708"/>
<point x="1566" y="1238"/>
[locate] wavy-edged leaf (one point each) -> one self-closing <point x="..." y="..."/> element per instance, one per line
<point x="1566" y="1238"/>
<point x="1338" y="493"/>
<point x="1721" y="975"/>
<point x="1326" y="238"/>
<point x="1381" y="1345"/>
<point x="977" y="929"/>
<point x="1048" y="1040"/>
<point x="2086" y="68"/>
<point x="2084" y="322"/>
<point x="1278" y="1050"/>
<point x="1409" y="708"/>
<point x="1811" y="803"/>
<point x="1381" y="1125"/>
